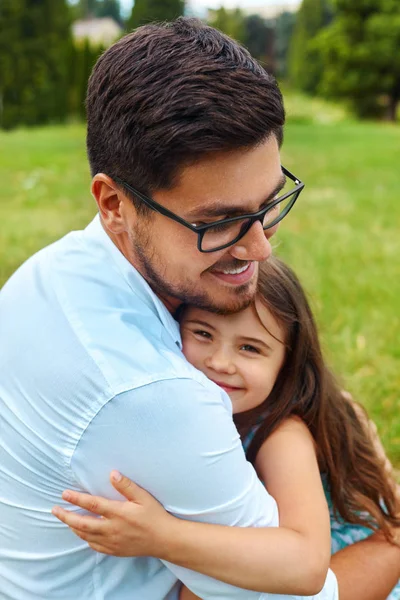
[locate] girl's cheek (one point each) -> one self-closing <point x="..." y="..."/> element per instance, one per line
<point x="193" y="352"/>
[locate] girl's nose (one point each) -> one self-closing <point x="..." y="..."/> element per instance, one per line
<point x="221" y="361"/>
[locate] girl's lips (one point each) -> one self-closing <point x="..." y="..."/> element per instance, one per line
<point x="226" y="387"/>
<point x="237" y="278"/>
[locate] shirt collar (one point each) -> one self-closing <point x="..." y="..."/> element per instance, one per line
<point x="134" y="279"/>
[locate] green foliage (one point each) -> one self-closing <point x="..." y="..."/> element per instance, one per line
<point x="231" y="22"/>
<point x="361" y="56"/>
<point x="305" y="63"/>
<point x="35" y="44"/>
<point x="267" y="40"/>
<point x="260" y="40"/>
<point x="82" y="61"/>
<point x="109" y="8"/>
<point x="88" y="8"/>
<point x="146" y="11"/>
<point x="284" y="26"/>
<point x="98" y="9"/>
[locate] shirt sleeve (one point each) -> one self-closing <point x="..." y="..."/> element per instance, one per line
<point x="176" y="439"/>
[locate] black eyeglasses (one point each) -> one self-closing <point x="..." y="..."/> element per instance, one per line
<point x="226" y="232"/>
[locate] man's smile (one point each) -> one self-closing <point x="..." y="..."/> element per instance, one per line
<point x="235" y="275"/>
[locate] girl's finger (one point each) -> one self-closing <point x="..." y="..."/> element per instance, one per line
<point x="93" y="542"/>
<point x="127" y="487"/>
<point x="87" y="537"/>
<point x="82" y="523"/>
<point x="90" y="538"/>
<point x="94" y="504"/>
<point x="101" y="548"/>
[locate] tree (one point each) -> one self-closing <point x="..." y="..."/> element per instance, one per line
<point x="284" y="26"/>
<point x="146" y="11"/>
<point x="35" y="43"/>
<point x="84" y="58"/>
<point x="361" y="56"/>
<point x="231" y="22"/>
<point x="305" y="63"/>
<point x="260" y="40"/>
<point x="85" y="9"/>
<point x="109" y="8"/>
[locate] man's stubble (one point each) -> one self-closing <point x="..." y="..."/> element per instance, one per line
<point x="155" y="271"/>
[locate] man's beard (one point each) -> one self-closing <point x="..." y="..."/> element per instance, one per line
<point x="152" y="269"/>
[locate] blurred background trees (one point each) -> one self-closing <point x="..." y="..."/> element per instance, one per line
<point x="231" y="22"/>
<point x="346" y="49"/>
<point x="305" y="62"/>
<point x="35" y="44"/>
<point x="360" y="53"/>
<point x="84" y="9"/>
<point x="145" y="11"/>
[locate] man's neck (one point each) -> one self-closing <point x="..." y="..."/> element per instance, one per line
<point x="125" y="247"/>
<point x="170" y="303"/>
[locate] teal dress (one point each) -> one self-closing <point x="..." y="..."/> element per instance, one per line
<point x="343" y="534"/>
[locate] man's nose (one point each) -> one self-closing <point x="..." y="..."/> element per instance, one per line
<point x="254" y="245"/>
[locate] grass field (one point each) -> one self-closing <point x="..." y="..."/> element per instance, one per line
<point x="343" y="236"/>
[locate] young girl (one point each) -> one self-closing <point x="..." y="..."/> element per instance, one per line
<point x="292" y="418"/>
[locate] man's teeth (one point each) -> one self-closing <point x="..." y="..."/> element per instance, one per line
<point x="236" y="271"/>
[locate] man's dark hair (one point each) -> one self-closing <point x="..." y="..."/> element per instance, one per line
<point x="168" y="94"/>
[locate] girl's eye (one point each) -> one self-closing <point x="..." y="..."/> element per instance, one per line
<point x="202" y="333"/>
<point x="248" y="348"/>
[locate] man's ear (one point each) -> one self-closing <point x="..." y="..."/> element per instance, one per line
<point x="111" y="202"/>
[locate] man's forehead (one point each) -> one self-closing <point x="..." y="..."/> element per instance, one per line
<point x="215" y="208"/>
<point x="238" y="180"/>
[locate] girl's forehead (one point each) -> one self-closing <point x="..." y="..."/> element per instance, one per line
<point x="257" y="318"/>
<point x="217" y="320"/>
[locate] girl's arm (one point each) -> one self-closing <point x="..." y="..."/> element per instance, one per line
<point x="186" y="594"/>
<point x="291" y="559"/>
<point x="287" y="464"/>
<point x="305" y="513"/>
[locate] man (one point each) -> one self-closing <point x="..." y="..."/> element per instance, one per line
<point x="184" y="130"/>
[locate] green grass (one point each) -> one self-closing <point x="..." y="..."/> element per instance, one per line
<point x="342" y="237"/>
<point x="44" y="190"/>
<point x="343" y="240"/>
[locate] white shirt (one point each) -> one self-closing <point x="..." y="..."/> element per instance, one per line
<point x="93" y="379"/>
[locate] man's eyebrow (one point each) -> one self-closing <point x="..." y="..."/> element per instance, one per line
<point x="218" y="209"/>
<point x="202" y="323"/>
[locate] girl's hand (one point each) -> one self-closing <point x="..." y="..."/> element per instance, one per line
<point x="139" y="527"/>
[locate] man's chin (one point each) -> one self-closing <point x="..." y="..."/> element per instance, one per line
<point x="230" y="300"/>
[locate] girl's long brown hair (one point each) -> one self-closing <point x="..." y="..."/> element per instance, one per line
<point x="361" y="490"/>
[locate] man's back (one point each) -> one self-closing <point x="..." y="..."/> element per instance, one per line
<point x="51" y="387"/>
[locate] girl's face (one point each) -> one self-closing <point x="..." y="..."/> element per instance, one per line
<point x="239" y="352"/>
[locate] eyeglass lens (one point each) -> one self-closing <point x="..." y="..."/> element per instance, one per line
<point x="224" y="234"/>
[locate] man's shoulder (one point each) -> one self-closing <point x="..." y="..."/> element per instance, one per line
<point x="116" y="318"/>
<point x="82" y="301"/>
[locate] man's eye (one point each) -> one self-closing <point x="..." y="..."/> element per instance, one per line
<point x="202" y="333"/>
<point x="248" y="348"/>
<point x="268" y="205"/>
<point x="217" y="227"/>
<point x="220" y="228"/>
